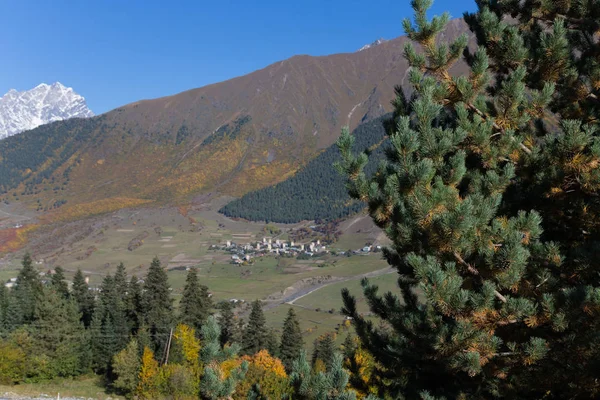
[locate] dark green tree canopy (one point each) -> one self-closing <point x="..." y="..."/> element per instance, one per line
<point x="489" y="194"/>
<point x="255" y="337"/>
<point x="195" y="304"/>
<point x="292" y="342"/>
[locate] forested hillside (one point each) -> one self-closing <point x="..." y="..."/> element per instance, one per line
<point x="317" y="191"/>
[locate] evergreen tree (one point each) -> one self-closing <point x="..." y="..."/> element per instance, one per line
<point x="330" y="385"/>
<point x="489" y="195"/>
<point x="349" y="346"/>
<point x="83" y="297"/>
<point x="158" y="305"/>
<point x="195" y="302"/>
<point x="57" y="280"/>
<point x="27" y="289"/>
<point x="227" y="323"/>
<point x="214" y="383"/>
<point x="134" y="308"/>
<point x="59" y="336"/>
<point x="255" y="334"/>
<point x="272" y="343"/>
<point x="324" y="350"/>
<point x="120" y="279"/>
<point x="292" y="342"/>
<point x="110" y="331"/>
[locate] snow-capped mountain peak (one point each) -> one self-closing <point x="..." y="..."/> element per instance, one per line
<point x="375" y="43"/>
<point x="21" y="111"/>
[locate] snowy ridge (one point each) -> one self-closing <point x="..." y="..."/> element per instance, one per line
<point x="375" y="43"/>
<point x="22" y="111"/>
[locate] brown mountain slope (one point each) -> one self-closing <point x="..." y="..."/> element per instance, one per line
<point x="231" y="137"/>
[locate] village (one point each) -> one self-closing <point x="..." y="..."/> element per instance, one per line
<point x="242" y="254"/>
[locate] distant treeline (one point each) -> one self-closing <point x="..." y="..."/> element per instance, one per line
<point x="317" y="191"/>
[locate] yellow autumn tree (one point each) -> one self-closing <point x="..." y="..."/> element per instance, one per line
<point x="187" y="345"/>
<point x="149" y="378"/>
<point x="268" y="373"/>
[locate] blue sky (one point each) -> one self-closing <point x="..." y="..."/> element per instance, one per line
<point x="114" y="52"/>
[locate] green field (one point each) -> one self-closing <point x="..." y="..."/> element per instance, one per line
<point x="183" y="239"/>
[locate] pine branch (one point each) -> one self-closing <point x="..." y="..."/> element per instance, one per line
<point x="496" y="126"/>
<point x="475" y="272"/>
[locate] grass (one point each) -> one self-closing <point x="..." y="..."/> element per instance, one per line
<point x="330" y="297"/>
<point x="89" y="387"/>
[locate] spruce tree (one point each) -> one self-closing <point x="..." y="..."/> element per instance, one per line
<point x="120" y="279"/>
<point x="489" y="194"/>
<point x="134" y="308"/>
<point x="227" y="323"/>
<point x="59" y="337"/>
<point x="110" y="331"/>
<point x="158" y="305"/>
<point x="195" y="302"/>
<point x="28" y="289"/>
<point x="83" y="298"/>
<point x="57" y="280"/>
<point x="292" y="342"/>
<point x="324" y="350"/>
<point x="255" y="334"/>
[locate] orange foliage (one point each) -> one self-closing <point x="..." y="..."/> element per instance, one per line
<point x="15" y="238"/>
<point x="264" y="360"/>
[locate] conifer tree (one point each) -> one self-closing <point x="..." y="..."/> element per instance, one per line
<point x="57" y="280"/>
<point x="59" y="336"/>
<point x="330" y="385"/>
<point x="255" y="335"/>
<point x="120" y="279"/>
<point x="110" y="331"/>
<point x="195" y="302"/>
<point x="134" y="309"/>
<point x="227" y="323"/>
<point x="324" y="350"/>
<point x="83" y="297"/>
<point x="158" y="305"/>
<point x="214" y="383"/>
<point x="292" y="342"/>
<point x="28" y="289"/>
<point x="489" y="194"/>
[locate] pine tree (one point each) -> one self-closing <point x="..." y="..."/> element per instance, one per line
<point x="292" y="342"/>
<point x="57" y="280"/>
<point x="330" y="385"/>
<point x="489" y="194"/>
<point x="214" y="383"/>
<point x="195" y="302"/>
<point x="227" y="323"/>
<point x="28" y="289"/>
<point x="83" y="297"/>
<point x="255" y="334"/>
<point x="158" y="305"/>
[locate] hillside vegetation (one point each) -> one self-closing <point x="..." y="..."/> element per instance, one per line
<point x="316" y="191"/>
<point x="229" y="138"/>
